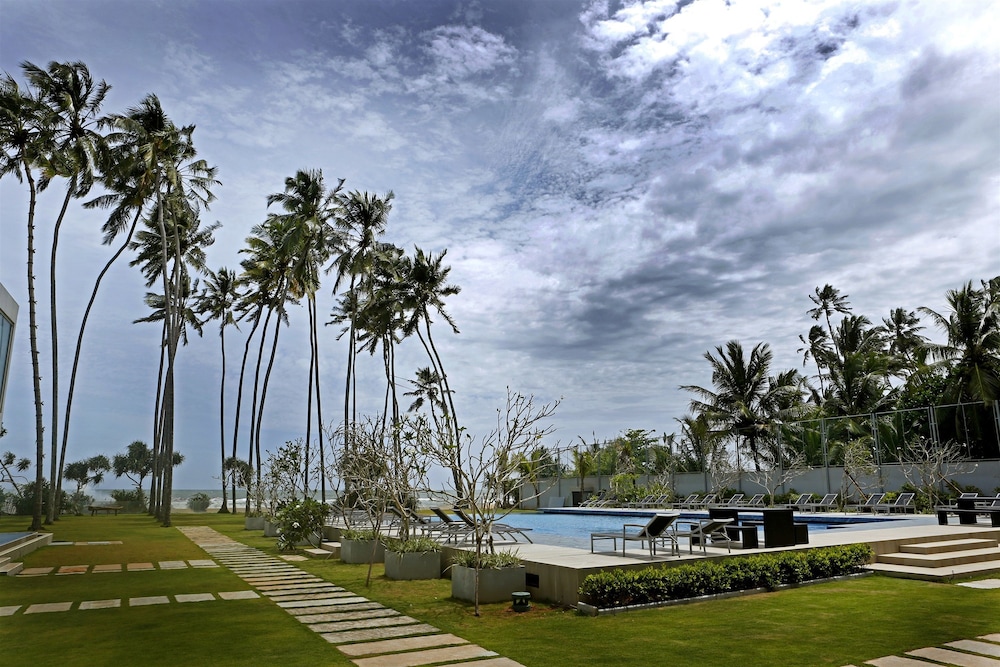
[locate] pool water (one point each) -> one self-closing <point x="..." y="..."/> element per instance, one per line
<point x="573" y="530"/>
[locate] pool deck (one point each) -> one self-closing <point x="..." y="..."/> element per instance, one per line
<point x="558" y="571"/>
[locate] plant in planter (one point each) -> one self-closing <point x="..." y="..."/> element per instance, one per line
<point x="362" y="545"/>
<point x="415" y="558"/>
<point x="300" y="521"/>
<point x="199" y="502"/>
<point x="488" y="577"/>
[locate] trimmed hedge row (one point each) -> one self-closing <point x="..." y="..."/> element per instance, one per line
<point x="620" y="588"/>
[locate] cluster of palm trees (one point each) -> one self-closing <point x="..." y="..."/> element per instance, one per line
<point x="865" y="374"/>
<point x="154" y="189"/>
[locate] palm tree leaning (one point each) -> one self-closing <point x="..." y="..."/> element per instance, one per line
<point x="217" y="301"/>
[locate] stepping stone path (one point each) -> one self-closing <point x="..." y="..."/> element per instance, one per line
<point x="117" y="567"/>
<point x="368" y="633"/>
<point x="980" y="652"/>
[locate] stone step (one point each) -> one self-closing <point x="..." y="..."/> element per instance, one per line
<point x="935" y="573"/>
<point x="948" y="545"/>
<point x="10" y="569"/>
<point x="943" y="559"/>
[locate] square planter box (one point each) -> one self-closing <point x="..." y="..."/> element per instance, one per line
<point x="494" y="585"/>
<point x="253" y="523"/>
<point x="270" y="529"/>
<point x="360" y="551"/>
<point x="414" y="565"/>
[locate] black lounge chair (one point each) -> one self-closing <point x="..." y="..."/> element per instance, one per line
<point x="657" y="530"/>
<point x="828" y="502"/>
<point x="705" y="531"/>
<point x="501" y="529"/>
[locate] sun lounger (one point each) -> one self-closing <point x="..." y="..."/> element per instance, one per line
<point x="704" y="502"/>
<point x="656" y="531"/>
<point x="757" y="500"/>
<point x="705" y="531"/>
<point x="828" y="502"/>
<point x="735" y="501"/>
<point x="902" y="502"/>
<point x="800" y="502"/>
<point x="501" y="529"/>
<point x="869" y="505"/>
<point x="687" y="502"/>
<point x="452" y="529"/>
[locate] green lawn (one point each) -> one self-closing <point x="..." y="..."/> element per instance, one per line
<point x="827" y="624"/>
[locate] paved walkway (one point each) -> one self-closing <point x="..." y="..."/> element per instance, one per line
<point x="980" y="652"/>
<point x="368" y="633"/>
<point x="116" y="567"/>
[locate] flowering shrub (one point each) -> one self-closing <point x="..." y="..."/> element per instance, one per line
<point x="298" y="520"/>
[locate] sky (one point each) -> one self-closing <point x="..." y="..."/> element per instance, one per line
<point x="620" y="187"/>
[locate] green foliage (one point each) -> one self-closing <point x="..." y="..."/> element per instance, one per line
<point x="298" y="520"/>
<point x="132" y="501"/>
<point x="359" y="534"/>
<point x="199" y="502"/>
<point x="617" y="588"/>
<point x="421" y="544"/>
<point x="24" y="503"/>
<point x="487" y="561"/>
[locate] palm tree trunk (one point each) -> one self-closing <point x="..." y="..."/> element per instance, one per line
<point x="263" y="391"/>
<point x="319" y="401"/>
<point x="222" y="421"/>
<point x="79" y="338"/>
<point x="253" y="403"/>
<point x="239" y="401"/>
<point x="309" y="397"/>
<point x="446" y="390"/>
<point x="36" y="517"/>
<point x="56" y="484"/>
<point x="154" y="498"/>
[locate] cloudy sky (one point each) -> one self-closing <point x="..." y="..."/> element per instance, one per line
<point x="621" y="186"/>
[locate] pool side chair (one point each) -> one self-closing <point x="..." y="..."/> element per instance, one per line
<point x="657" y="530"/>
<point x="705" y="502"/>
<point x="452" y="529"/>
<point x="687" y="502"/>
<point x="800" y="502"/>
<point x="756" y="500"/>
<point x="704" y="531"/>
<point x="501" y="529"/>
<point x="901" y="502"/>
<point x="869" y="505"/>
<point x="828" y="502"/>
<point x="735" y="501"/>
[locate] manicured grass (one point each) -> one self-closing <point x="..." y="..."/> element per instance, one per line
<point x="827" y="624"/>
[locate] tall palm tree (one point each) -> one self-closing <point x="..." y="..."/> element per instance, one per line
<point x="972" y="349"/>
<point x="164" y="157"/>
<point x="309" y="242"/>
<point x="27" y="136"/>
<point x="828" y="300"/>
<point x="905" y="344"/>
<point x="217" y="301"/>
<point x="362" y="218"/>
<point x="817" y="346"/>
<point x="73" y="102"/>
<point x="426" y="388"/>
<point x="746" y="399"/>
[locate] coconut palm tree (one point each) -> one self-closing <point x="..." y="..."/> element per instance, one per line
<point x="217" y="301"/>
<point x="905" y="345"/>
<point x="972" y="350"/>
<point x="746" y="399"/>
<point x="26" y="136"/>
<point x="828" y="300"/>
<point x="72" y="100"/>
<point x="164" y="158"/>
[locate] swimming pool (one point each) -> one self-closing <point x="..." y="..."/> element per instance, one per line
<point x="569" y="529"/>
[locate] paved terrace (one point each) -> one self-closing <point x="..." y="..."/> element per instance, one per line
<point x="555" y="573"/>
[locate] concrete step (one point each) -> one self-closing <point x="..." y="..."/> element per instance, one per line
<point x="325" y="550"/>
<point x="11" y="569"/>
<point x="948" y="545"/>
<point x="943" y="559"/>
<point x="936" y="573"/>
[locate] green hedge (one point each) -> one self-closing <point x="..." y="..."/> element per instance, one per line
<point x="620" y="588"/>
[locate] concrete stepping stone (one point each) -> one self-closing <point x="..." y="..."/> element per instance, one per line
<point x="985" y="584"/>
<point x="289" y="596"/>
<point x="351" y="636"/>
<point x="363" y="623"/>
<point x="172" y="565"/>
<point x="111" y="567"/>
<point x="148" y="600"/>
<point x="296" y="585"/>
<point x="973" y="646"/>
<point x="428" y="657"/>
<point x="101" y="604"/>
<point x="311" y="619"/>
<point x="991" y="638"/>
<point x="896" y="661"/>
<point x="194" y="597"/>
<point x="35" y="571"/>
<point x="403" y="644"/>
<point x="202" y="562"/>
<point x="48" y="607"/>
<point x="500" y="661"/>
<point x="239" y="595"/>
<point x="348" y="604"/>
<point x="139" y="567"/>
<point x="9" y="611"/>
<point x="954" y="657"/>
<point x="73" y="569"/>
<point x="292" y="604"/>
<point x="294" y="558"/>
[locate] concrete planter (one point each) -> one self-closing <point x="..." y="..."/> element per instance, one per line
<point x="253" y="523"/>
<point x="271" y="529"/>
<point x="413" y="565"/>
<point x="360" y="551"/>
<point x="494" y="585"/>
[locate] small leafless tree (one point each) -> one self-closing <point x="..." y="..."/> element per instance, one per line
<point x="930" y="467"/>
<point x="773" y="475"/>
<point x="860" y="470"/>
